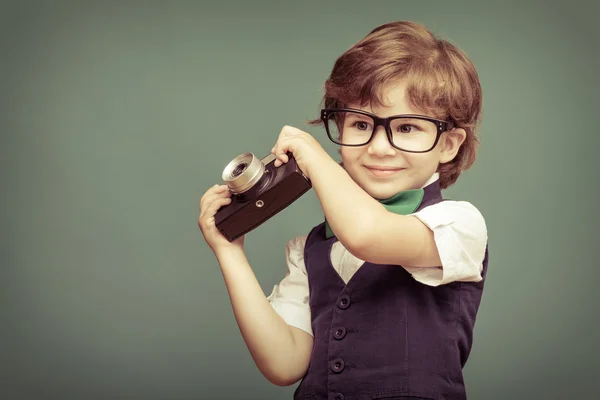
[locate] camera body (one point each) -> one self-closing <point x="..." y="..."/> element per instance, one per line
<point x="259" y="191"/>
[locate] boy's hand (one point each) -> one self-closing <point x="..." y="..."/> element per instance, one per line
<point x="306" y="150"/>
<point x="215" y="198"/>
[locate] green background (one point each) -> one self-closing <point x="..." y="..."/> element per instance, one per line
<point x="115" y="117"/>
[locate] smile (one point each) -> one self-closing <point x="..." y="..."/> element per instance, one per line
<point x="382" y="171"/>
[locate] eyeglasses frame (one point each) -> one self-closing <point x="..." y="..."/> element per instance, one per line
<point x="441" y="125"/>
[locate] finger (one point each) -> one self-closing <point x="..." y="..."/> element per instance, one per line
<point x="282" y="148"/>
<point x="213" y="207"/>
<point x="212" y="191"/>
<point x="212" y="197"/>
<point x="283" y="158"/>
<point x="280" y="160"/>
<point x="285" y="133"/>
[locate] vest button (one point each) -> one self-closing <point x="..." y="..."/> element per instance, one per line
<point x="337" y="365"/>
<point x="339" y="333"/>
<point x="337" y="396"/>
<point x="344" y="302"/>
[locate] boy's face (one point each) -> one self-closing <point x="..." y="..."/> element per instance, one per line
<point x="382" y="170"/>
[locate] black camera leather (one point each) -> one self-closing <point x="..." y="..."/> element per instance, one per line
<point x="278" y="188"/>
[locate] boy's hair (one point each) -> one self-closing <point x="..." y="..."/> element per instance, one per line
<point x="441" y="81"/>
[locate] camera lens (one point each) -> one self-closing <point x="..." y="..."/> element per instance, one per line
<point x="243" y="173"/>
<point x="238" y="170"/>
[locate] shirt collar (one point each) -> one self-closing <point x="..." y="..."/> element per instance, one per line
<point x="432" y="179"/>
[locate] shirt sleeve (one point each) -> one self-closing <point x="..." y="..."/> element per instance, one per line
<point x="460" y="234"/>
<point x="290" y="297"/>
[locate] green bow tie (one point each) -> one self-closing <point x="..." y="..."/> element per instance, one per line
<point x="403" y="203"/>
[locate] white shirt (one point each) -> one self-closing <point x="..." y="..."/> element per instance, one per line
<point x="460" y="233"/>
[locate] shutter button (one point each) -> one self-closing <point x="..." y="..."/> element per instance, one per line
<point x="344" y="302"/>
<point x="339" y="333"/>
<point x="337" y="365"/>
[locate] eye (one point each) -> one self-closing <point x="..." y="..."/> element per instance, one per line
<point x="362" y="125"/>
<point x="407" y="128"/>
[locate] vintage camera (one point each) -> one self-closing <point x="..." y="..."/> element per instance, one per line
<point x="259" y="191"/>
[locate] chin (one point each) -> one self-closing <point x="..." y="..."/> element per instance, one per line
<point x="381" y="193"/>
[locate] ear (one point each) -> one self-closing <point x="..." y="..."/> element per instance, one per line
<point x="450" y="144"/>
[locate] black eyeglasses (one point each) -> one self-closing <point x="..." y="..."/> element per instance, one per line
<point x="408" y="132"/>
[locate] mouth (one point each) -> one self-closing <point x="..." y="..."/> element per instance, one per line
<point x="382" y="170"/>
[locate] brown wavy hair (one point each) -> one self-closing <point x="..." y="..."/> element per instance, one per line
<point x="441" y="81"/>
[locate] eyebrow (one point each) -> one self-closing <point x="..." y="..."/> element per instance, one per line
<point x="408" y="115"/>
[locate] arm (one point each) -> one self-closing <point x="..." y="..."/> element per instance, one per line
<point x="360" y="222"/>
<point x="452" y="234"/>
<point x="368" y="232"/>
<point x="282" y="353"/>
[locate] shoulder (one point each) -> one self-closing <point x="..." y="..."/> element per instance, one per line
<point x="294" y="251"/>
<point x="461" y="214"/>
<point x="289" y="297"/>
<point x="297" y="243"/>
<point x="460" y="235"/>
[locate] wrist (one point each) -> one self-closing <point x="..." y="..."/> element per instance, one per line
<point x="324" y="168"/>
<point x="323" y="162"/>
<point x="225" y="254"/>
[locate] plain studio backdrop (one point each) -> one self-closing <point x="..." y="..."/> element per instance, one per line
<point x="115" y="118"/>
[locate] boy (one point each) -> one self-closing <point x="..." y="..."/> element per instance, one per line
<point x="379" y="300"/>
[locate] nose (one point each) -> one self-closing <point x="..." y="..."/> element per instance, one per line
<point x="380" y="145"/>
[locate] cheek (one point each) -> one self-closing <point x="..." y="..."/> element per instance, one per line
<point x="413" y="160"/>
<point x="418" y="161"/>
<point x="348" y="154"/>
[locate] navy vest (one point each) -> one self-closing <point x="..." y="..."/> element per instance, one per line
<point x="384" y="335"/>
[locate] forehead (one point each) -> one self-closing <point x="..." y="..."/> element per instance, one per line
<point x="395" y="101"/>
